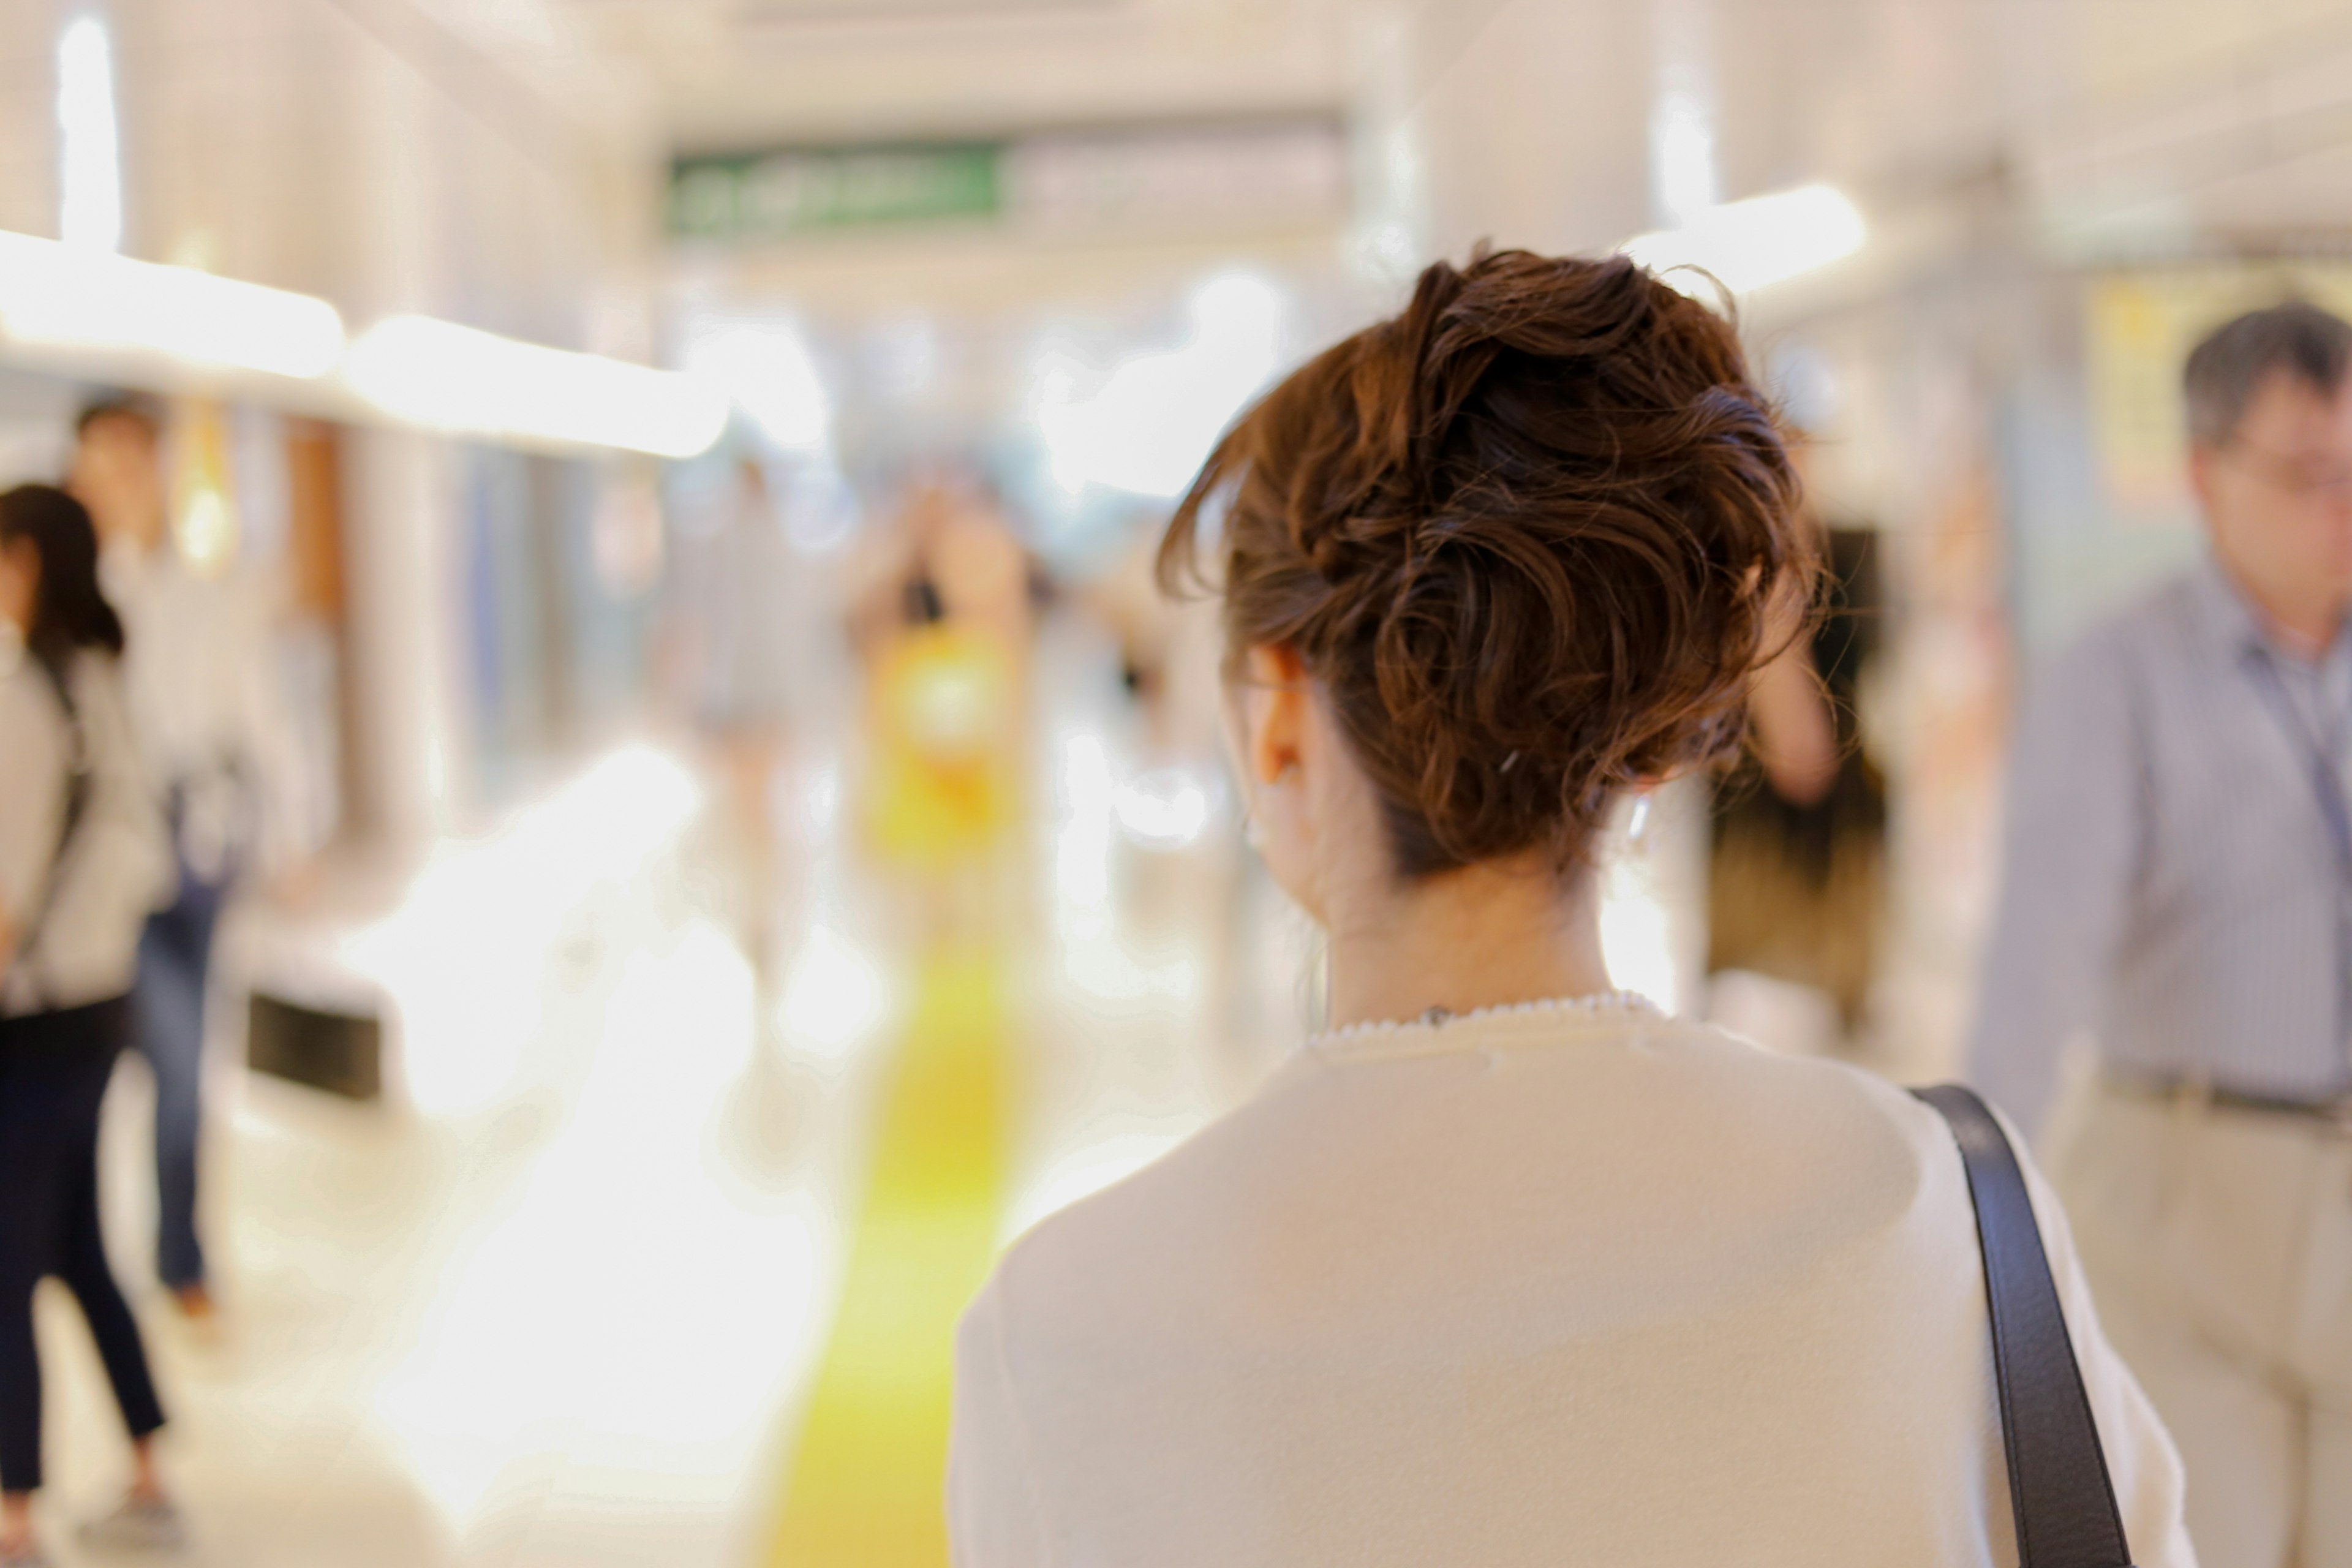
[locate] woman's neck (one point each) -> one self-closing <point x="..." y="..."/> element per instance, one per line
<point x="1484" y="936"/>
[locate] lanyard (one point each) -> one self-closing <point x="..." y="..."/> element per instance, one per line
<point x="2328" y="782"/>
<point x="2324" y="752"/>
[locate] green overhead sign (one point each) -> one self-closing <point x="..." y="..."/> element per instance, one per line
<point x="774" y="194"/>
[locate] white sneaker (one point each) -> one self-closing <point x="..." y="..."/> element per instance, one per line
<point x="138" y="1524"/>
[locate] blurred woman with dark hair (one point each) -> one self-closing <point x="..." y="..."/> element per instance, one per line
<point x="83" y="860"/>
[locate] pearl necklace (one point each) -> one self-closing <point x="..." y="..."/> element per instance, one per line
<point x="1439" y="1017"/>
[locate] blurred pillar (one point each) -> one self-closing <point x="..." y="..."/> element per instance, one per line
<point x="403" y="636"/>
<point x="400" y="496"/>
<point x="319" y="606"/>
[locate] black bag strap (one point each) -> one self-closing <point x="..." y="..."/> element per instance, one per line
<point x="2058" y="1481"/>
<point x="78" y="770"/>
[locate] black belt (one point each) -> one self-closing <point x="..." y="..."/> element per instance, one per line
<point x="2335" y="1113"/>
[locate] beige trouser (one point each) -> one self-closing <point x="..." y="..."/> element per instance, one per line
<point x="2218" y="1246"/>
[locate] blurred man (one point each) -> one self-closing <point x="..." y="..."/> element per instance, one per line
<point x="2178" y="882"/>
<point x="205" y="700"/>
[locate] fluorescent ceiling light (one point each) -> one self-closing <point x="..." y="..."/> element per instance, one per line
<point x="765" y="366"/>
<point x="466" y="382"/>
<point x="60" y="296"/>
<point x="1156" y="416"/>
<point x="1747" y="245"/>
<point x="1682" y="154"/>
<point x="89" y="161"/>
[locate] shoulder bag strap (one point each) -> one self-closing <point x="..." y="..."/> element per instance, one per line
<point x="2058" y="1483"/>
<point x="77" y="804"/>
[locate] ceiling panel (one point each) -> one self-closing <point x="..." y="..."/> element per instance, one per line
<point x="741" y="74"/>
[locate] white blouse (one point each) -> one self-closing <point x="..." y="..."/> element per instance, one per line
<point x="117" y="869"/>
<point x="1565" y="1284"/>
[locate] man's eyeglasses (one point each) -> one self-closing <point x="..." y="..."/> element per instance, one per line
<point x="2297" y="476"/>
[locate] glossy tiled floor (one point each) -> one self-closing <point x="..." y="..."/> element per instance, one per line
<point x="552" y="1313"/>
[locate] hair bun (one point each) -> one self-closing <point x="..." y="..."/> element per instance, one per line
<point x="1528" y="535"/>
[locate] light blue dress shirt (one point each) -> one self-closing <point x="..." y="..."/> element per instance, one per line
<point x="2172" y="881"/>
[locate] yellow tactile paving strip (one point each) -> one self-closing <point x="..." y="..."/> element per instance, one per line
<point x="868" y="1470"/>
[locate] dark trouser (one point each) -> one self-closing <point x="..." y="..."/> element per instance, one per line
<point x="174" y="956"/>
<point x="53" y="1073"/>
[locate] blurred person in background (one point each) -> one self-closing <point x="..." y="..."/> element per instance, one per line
<point x="942" y="613"/>
<point x="1508" y="1267"/>
<point x="216" y="730"/>
<point x="734" y="613"/>
<point x="948" y="557"/>
<point x="2178" y="882"/>
<point x="1796" y="882"/>
<point x="1161" y="641"/>
<point x="83" y="860"/>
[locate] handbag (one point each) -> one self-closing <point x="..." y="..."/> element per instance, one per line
<point x="2058" y="1480"/>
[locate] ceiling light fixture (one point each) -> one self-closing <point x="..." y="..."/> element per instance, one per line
<point x="763" y="365"/>
<point x="1750" y="245"/>
<point x="90" y="154"/>
<point x="1156" y="416"/>
<point x="466" y="382"/>
<point x="67" y="297"/>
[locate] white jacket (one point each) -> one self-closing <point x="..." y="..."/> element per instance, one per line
<point x="118" y="868"/>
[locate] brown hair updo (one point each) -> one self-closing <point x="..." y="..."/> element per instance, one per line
<point x="1529" y="537"/>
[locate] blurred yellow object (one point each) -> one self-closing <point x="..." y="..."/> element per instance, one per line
<point x="945" y="712"/>
<point x="870" y="1470"/>
<point x="204" y="520"/>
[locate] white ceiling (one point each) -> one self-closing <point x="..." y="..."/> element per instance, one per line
<point x="278" y="139"/>
<point x="739" y="73"/>
<point x="1871" y="92"/>
<point x="2202" y="107"/>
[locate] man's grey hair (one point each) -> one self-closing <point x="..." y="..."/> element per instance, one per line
<point x="2228" y="367"/>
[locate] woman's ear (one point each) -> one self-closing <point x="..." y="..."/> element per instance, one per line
<point x="1274" y="698"/>
<point x="1277" y="758"/>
